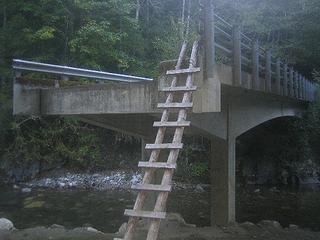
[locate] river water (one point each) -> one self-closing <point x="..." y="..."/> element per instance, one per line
<point x="104" y="209"/>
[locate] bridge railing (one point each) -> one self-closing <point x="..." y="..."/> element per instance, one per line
<point x="65" y="71"/>
<point x="268" y="74"/>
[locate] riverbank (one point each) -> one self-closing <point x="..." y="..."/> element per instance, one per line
<point x="173" y="228"/>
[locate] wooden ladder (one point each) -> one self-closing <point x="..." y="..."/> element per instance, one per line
<point x="168" y="167"/>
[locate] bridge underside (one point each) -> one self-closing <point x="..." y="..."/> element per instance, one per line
<point x="131" y="108"/>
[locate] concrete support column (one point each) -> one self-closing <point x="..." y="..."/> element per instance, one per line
<point x="222" y="181"/>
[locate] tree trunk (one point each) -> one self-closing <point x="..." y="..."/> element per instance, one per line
<point x="4" y="23"/>
<point x="66" y="41"/>
<point x="183" y="18"/>
<point x="138" y="7"/>
<point x="148" y="12"/>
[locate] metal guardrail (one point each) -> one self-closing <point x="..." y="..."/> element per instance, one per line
<point x="22" y="65"/>
<point x="269" y="73"/>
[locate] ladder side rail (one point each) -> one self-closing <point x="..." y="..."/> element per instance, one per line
<point x="149" y="173"/>
<point x="168" y="173"/>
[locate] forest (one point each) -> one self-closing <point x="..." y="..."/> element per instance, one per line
<point x="62" y="178"/>
<point x="126" y="36"/>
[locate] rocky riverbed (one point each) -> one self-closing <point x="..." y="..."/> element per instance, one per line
<point x="173" y="228"/>
<point x="98" y="181"/>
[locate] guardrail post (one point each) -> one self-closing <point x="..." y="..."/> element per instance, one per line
<point x="16" y="75"/>
<point x="278" y="77"/>
<point x="211" y="83"/>
<point x="304" y="88"/>
<point x="296" y="83"/>
<point x="255" y="65"/>
<point x="209" y="42"/>
<point x="291" y="88"/>
<point x="65" y="78"/>
<point x="285" y="79"/>
<point x="308" y="90"/>
<point x="236" y="33"/>
<point x="268" y="70"/>
<point x="313" y="92"/>
<point x="300" y="86"/>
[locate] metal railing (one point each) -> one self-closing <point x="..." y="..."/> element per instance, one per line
<point x="269" y="74"/>
<point x="22" y="65"/>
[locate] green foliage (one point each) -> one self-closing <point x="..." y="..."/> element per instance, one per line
<point x="193" y="163"/>
<point x="51" y="142"/>
<point x="115" y="35"/>
<point x="94" y="46"/>
<point x="200" y="169"/>
<point x="100" y="34"/>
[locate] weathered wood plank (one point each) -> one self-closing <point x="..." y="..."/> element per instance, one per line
<point x="179" y="89"/>
<point x="160" y="146"/>
<point x="145" y="214"/>
<point x="183" y="71"/>
<point x="175" y="105"/>
<point x="158" y="165"/>
<point x="172" y="124"/>
<point x="152" y="187"/>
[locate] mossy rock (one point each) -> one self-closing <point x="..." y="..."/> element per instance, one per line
<point x="35" y="204"/>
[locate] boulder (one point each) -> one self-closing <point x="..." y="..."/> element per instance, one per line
<point x="293" y="226"/>
<point x="269" y="224"/>
<point x="93" y="230"/>
<point x="247" y="225"/>
<point x="257" y="190"/>
<point x="6" y="224"/>
<point x="57" y="226"/>
<point x="123" y="228"/>
<point x="26" y="190"/>
<point x="199" y="188"/>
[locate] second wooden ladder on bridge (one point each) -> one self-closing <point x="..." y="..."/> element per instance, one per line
<point x="174" y="147"/>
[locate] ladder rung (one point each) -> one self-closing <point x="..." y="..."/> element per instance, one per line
<point x="179" y="89"/>
<point x="159" y="165"/>
<point x="175" y="105"/>
<point x="164" y="146"/>
<point x="183" y="71"/>
<point x="145" y="214"/>
<point x="152" y="187"/>
<point x="172" y="124"/>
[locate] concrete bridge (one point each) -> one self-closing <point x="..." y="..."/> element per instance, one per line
<point x="247" y="88"/>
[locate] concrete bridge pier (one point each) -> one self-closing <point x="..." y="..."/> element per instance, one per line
<point x="223" y="180"/>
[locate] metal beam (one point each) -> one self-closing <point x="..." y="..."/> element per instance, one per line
<point x="71" y="71"/>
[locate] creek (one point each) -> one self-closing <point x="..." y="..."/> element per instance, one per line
<point x="104" y="209"/>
